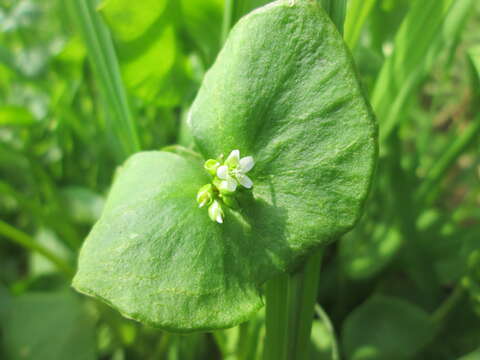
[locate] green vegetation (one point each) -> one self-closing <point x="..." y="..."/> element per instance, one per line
<point x="119" y="118"/>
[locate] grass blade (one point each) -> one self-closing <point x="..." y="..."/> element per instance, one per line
<point x="357" y="14"/>
<point x="24" y="240"/>
<point x="404" y="70"/>
<point x="107" y="71"/>
<point x="428" y="189"/>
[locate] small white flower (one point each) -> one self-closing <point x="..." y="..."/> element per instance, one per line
<point x="233" y="171"/>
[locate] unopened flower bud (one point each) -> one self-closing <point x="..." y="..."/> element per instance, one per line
<point x="205" y="195"/>
<point x="211" y="165"/>
<point x="215" y="212"/>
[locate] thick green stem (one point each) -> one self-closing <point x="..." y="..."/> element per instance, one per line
<point x="276" y="320"/>
<point x="22" y="239"/>
<point x="290" y="307"/>
<point x="243" y="341"/>
<point x="107" y="72"/>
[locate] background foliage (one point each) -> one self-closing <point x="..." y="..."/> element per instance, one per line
<point x="404" y="284"/>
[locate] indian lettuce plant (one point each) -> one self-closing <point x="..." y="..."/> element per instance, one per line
<point x="187" y="239"/>
<point x="193" y="164"/>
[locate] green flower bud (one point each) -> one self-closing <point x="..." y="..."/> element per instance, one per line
<point x="205" y="195"/>
<point x="211" y="165"/>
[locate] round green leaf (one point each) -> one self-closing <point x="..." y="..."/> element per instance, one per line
<point x="385" y="328"/>
<point x="284" y="91"/>
<point x="158" y="258"/>
<point x="369" y="248"/>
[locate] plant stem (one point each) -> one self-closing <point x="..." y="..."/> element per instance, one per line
<point x="243" y="339"/>
<point x="276" y="320"/>
<point x="290" y="306"/>
<point x="107" y="71"/>
<point x="450" y="302"/>
<point x="328" y="324"/>
<point x="22" y="239"/>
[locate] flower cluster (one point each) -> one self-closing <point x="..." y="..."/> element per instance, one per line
<point x="227" y="177"/>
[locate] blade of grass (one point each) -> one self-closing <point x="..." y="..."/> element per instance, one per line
<point x="447" y="37"/>
<point x="404" y="70"/>
<point x="429" y="188"/>
<point x="421" y="272"/>
<point x="55" y="221"/>
<point x="24" y="240"/>
<point x="474" y="57"/>
<point x="357" y="14"/>
<point x="105" y="65"/>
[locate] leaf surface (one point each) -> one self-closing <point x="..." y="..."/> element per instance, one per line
<point x="158" y="258"/>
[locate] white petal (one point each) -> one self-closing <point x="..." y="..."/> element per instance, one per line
<point x="230" y="184"/>
<point x="246" y="164"/>
<point x="222" y="172"/>
<point x="219" y="218"/>
<point x="233" y="159"/>
<point x="245" y="181"/>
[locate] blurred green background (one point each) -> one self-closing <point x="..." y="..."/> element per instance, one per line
<point x="404" y="284"/>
